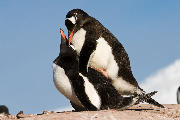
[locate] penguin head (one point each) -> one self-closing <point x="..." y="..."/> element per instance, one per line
<point x="67" y="56"/>
<point x="65" y="48"/>
<point x="75" y="20"/>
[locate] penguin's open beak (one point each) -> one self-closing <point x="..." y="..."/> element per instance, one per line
<point x="62" y="34"/>
<point x="63" y="37"/>
<point x="70" y="36"/>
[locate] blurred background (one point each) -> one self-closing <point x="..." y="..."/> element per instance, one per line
<point x="29" y="42"/>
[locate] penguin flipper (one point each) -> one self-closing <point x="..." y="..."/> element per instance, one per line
<point x="86" y="51"/>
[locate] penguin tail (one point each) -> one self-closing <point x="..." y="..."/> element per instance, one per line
<point x="153" y="102"/>
<point x="147" y="98"/>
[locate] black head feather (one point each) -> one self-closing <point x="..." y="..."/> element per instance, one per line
<point x="75" y="18"/>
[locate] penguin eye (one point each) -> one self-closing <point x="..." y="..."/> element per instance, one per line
<point x="69" y="24"/>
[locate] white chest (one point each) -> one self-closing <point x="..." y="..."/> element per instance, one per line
<point x="79" y="39"/>
<point x="103" y="58"/>
<point x="64" y="85"/>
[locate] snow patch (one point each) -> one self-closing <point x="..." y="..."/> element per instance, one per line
<point x="166" y="81"/>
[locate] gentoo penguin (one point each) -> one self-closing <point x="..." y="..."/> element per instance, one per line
<point x="4" y="110"/>
<point x="92" y="91"/>
<point x="178" y="95"/>
<point x="60" y="76"/>
<point x="98" y="48"/>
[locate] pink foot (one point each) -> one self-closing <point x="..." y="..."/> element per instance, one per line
<point x="101" y="71"/>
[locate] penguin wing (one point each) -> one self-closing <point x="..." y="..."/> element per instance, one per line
<point x="81" y="89"/>
<point x="87" y="49"/>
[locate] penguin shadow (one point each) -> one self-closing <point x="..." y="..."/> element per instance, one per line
<point x="142" y="109"/>
<point x="134" y="109"/>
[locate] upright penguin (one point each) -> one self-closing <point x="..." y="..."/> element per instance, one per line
<point x="60" y="76"/>
<point x="178" y="95"/>
<point x="92" y="91"/>
<point x="99" y="48"/>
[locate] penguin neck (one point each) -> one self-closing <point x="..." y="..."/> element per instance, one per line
<point x="69" y="64"/>
<point x="71" y="69"/>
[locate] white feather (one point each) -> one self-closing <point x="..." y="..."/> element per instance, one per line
<point x="72" y="19"/>
<point x="64" y="85"/>
<point x="123" y="86"/>
<point x="72" y="47"/>
<point x="103" y="58"/>
<point x="91" y="92"/>
<point x="78" y="40"/>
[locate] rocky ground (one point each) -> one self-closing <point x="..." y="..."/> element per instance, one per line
<point x="138" y="112"/>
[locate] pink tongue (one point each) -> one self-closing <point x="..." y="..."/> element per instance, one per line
<point x="101" y="71"/>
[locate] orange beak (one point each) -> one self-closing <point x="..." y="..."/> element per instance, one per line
<point x="62" y="33"/>
<point x="70" y="37"/>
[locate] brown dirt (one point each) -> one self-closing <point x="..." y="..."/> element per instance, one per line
<point x="138" y="112"/>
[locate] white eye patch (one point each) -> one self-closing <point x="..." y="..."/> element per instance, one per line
<point x="72" y="19"/>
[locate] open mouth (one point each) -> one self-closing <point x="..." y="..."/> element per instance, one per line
<point x="71" y="36"/>
<point x="62" y="34"/>
<point x="68" y="41"/>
